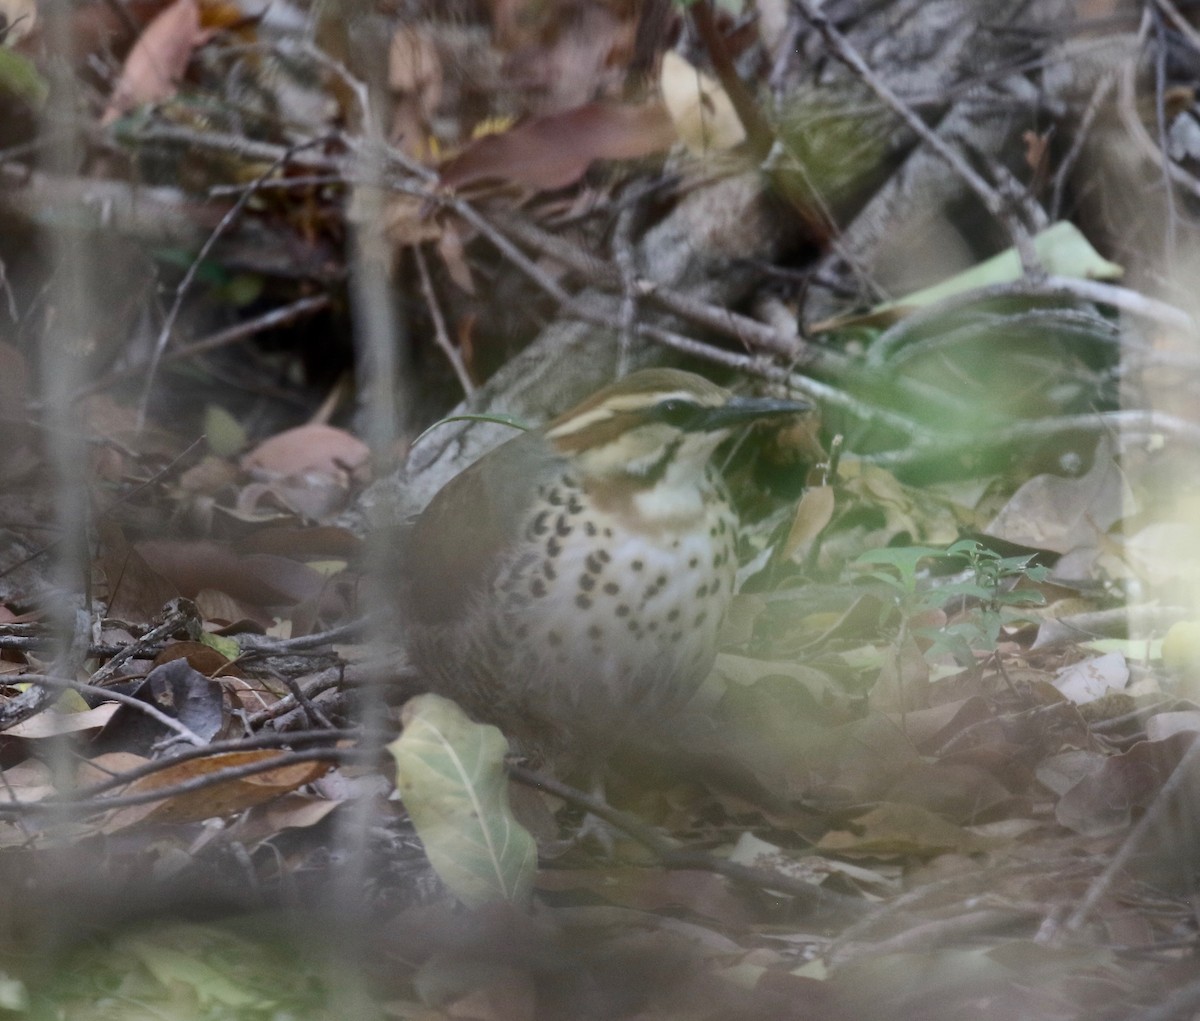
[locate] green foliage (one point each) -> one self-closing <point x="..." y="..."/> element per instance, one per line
<point x="986" y="595"/>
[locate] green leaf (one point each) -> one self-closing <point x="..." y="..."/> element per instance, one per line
<point x="20" y="78"/>
<point x="223" y="432"/>
<point x="227" y="647"/>
<point x="450" y="773"/>
<point x="1063" y="250"/>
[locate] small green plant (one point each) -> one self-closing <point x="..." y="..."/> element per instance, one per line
<point x="987" y="593"/>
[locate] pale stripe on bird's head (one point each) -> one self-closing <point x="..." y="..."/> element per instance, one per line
<point x="635" y="427"/>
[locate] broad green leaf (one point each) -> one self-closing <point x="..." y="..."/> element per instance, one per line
<point x="450" y="773"/>
<point x="19" y="77"/>
<point x="1063" y="250"/>
<point x="224" y="433"/>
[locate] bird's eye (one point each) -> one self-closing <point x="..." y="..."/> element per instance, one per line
<point x="676" y="412"/>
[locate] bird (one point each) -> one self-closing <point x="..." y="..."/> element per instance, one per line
<point x="568" y="587"/>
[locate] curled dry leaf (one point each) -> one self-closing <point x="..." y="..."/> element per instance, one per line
<point x="307" y="470"/>
<point x="17" y="18"/>
<point x="307" y="448"/>
<point x="158" y="59"/>
<point x="703" y="114"/>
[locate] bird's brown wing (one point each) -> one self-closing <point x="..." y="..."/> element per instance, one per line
<point x="453" y="549"/>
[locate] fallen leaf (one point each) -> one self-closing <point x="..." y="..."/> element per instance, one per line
<point x="221" y="799"/>
<point x="158" y="60"/>
<point x="704" y="116"/>
<point x="450" y="775"/>
<point x="552" y="152"/>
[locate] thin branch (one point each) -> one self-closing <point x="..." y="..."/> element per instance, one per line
<point x="440" y="336"/>
<point x="674" y="855"/>
<point x="168" y="326"/>
<point x="993" y="200"/>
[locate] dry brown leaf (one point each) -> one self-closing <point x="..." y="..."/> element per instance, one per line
<point x="813" y="513"/>
<point x="221" y="799"/>
<point x="257" y="578"/>
<point x="54" y="724"/>
<point x="158" y="59"/>
<point x="202" y="658"/>
<point x="320" y="448"/>
<point x="547" y="153"/>
<point x="414" y="66"/>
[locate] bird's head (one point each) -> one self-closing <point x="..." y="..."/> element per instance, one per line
<point x="655" y="425"/>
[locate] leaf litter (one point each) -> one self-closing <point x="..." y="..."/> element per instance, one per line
<point x="936" y="705"/>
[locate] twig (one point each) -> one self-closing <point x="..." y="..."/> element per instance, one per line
<point x="265" y="645"/>
<point x="1160" y="119"/>
<point x="1018" y="435"/>
<point x="440" y="336"/>
<point x="124" y="498"/>
<point x="61" y="684"/>
<point x="1155" y="816"/>
<point x="164" y="333"/>
<point x="991" y="198"/>
<point x="323" y="681"/>
<point x="622" y="250"/>
<point x="1099" y="95"/>
<point x="1132" y="122"/>
<point x="758" y="131"/>
<point x="242" y="744"/>
<point x="85" y="807"/>
<point x="674" y="855"/>
<point x="1121" y="298"/>
<point x="277" y="317"/>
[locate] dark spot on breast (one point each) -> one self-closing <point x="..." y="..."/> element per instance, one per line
<point x="702" y="591"/>
<point x="603" y="555"/>
<point x="574" y="505"/>
<point x="661" y="580"/>
<point x="716" y="585"/>
<point x="562" y="527"/>
<point x="700" y="618"/>
<point x="555" y="499"/>
<point x="548" y="570"/>
<point x="553" y="546"/>
<point x="652" y="626"/>
<point x="541" y="523"/>
<point x="538" y="587"/>
<point x="583" y="602"/>
<point x="589" y="529"/>
<point x="637" y="565"/>
<point x="612" y="588"/>
<point x="554" y="638"/>
<point x="694" y="563"/>
<point x="522" y="631"/>
<point x="608" y="533"/>
<point x="593" y="564"/>
<point x="673" y="615"/>
<point x="587" y="582"/>
<point x="676" y="636"/>
<point x="595" y="631"/>
<point x="622" y="610"/>
<point x="635" y="627"/>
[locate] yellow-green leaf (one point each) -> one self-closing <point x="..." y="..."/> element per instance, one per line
<point x="450" y="773"/>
